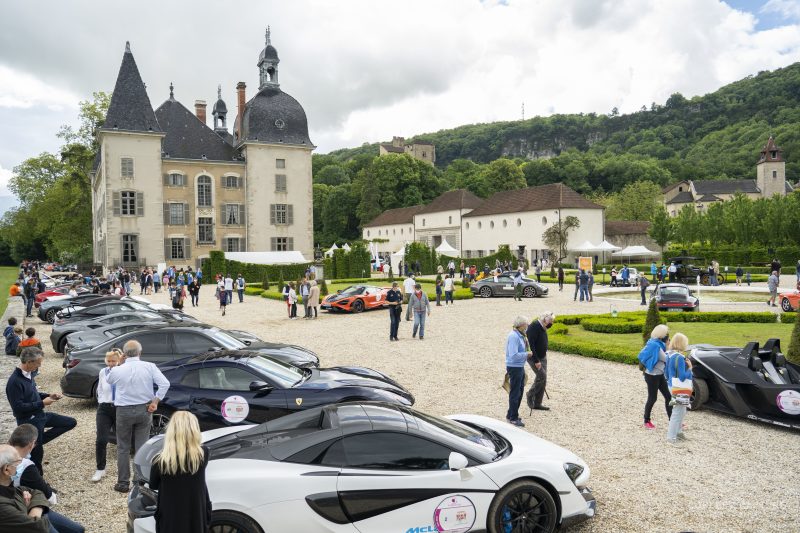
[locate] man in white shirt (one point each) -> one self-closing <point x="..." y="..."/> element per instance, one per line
<point x="134" y="382"/>
<point x="408" y="288"/>
<point x="229" y="288"/>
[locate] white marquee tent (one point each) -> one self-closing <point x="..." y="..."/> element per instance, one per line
<point x="446" y="249"/>
<point x="330" y="251"/>
<point x="635" y="251"/>
<point x="267" y="258"/>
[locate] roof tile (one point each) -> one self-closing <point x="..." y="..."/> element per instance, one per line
<point x="551" y="196"/>
<point x="455" y="199"/>
<point x="400" y="215"/>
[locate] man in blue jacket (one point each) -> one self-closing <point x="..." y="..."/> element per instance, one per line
<point x="517" y="353"/>
<point x="28" y="404"/>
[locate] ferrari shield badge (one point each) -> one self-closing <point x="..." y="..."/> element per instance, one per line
<point x="298" y="401"/>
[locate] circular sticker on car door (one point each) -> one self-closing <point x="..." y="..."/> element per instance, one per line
<point x="234" y="409"/>
<point x="789" y="402"/>
<point x="455" y="514"/>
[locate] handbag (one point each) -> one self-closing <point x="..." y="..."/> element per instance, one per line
<point x="507" y="382"/>
<point x="680" y="387"/>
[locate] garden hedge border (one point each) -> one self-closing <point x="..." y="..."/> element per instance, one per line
<point x="613" y="325"/>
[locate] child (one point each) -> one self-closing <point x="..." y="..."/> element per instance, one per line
<point x="13" y="340"/>
<point x="7" y="333"/>
<point x="29" y="341"/>
<point x="678" y="371"/>
<point x="106" y="413"/>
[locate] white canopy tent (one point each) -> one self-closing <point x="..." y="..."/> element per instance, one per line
<point x="635" y="251"/>
<point x="585" y="246"/>
<point x="446" y="249"/>
<point x="606" y="246"/>
<point x="267" y="258"/>
<point x="330" y="251"/>
<point x="395" y="260"/>
<point x="346" y="247"/>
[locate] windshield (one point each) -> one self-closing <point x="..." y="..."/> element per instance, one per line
<point x="352" y="291"/>
<point x="227" y="341"/>
<point x="279" y="373"/>
<point x="674" y="291"/>
<point x="434" y="425"/>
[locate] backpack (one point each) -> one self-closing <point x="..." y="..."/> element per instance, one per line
<point x="644" y="283"/>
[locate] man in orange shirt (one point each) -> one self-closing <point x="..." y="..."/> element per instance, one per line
<point x="15" y="290"/>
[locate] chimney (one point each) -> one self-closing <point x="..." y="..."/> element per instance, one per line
<point x="200" y="110"/>
<point x="240" y="102"/>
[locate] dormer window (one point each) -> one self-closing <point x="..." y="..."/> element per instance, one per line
<point x="773" y="154"/>
<point x="680" y="189"/>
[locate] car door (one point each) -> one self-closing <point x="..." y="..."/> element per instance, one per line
<point x="504" y="286"/>
<point x="222" y="397"/>
<point x="156" y="345"/>
<point x="192" y="343"/>
<point x="400" y="481"/>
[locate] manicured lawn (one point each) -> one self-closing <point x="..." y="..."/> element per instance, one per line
<point x="8" y="275"/>
<point x="737" y="334"/>
<point x="705" y="296"/>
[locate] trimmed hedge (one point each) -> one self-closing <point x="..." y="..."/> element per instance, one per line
<point x="733" y="254"/>
<point x="567" y="344"/>
<point x="503" y="254"/>
<point x="217" y="264"/>
<point x="346" y="264"/>
<point x="613" y="325"/>
<point x="788" y="318"/>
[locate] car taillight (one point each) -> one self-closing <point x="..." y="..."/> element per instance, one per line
<point x="73" y="363"/>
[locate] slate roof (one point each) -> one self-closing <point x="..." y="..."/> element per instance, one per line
<point x="400" y="215"/>
<point x="130" y="108"/>
<point x="552" y="196"/>
<point x="724" y="186"/>
<point x="456" y="199"/>
<point x="769" y="148"/>
<point x="393" y="149"/>
<point x="188" y="138"/>
<point x="626" y="227"/>
<point x="683" y="197"/>
<point x="275" y="117"/>
<point x="709" y="198"/>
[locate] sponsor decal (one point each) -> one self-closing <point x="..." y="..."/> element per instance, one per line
<point x="789" y="402"/>
<point x="421" y="529"/>
<point x="298" y="401"/>
<point x="235" y="409"/>
<point x="455" y="514"/>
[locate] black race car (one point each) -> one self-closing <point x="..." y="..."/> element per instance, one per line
<point x="753" y="382"/>
<point x="675" y="296"/>
<point x="232" y="387"/>
<point x="51" y="306"/>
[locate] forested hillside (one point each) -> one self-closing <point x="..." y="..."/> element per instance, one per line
<point x="619" y="160"/>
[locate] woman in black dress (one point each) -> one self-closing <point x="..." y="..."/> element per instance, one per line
<point x="179" y="476"/>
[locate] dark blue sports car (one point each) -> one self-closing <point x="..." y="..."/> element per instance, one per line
<point x="230" y="387"/>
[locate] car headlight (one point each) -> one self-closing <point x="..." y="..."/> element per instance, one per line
<point x="573" y="471"/>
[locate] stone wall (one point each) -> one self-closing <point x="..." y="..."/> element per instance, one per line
<point x="7" y="363"/>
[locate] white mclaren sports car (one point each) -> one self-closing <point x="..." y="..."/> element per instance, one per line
<point x="372" y="467"/>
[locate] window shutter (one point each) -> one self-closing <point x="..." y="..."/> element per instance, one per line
<point x="187" y="249"/>
<point x="272" y="216"/>
<point x="185" y="214"/>
<point x="139" y="204"/>
<point x="167" y="250"/>
<point x="273" y="243"/>
<point x="166" y="214"/>
<point x="290" y="214"/>
<point x="223" y="211"/>
<point x="290" y="243"/>
<point x="115" y="202"/>
<point x="241" y="182"/>
<point x="243" y="244"/>
<point x="241" y="215"/>
<point x="166" y="179"/>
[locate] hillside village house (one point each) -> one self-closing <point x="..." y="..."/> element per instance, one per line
<point x="424" y="151"/>
<point x="168" y="188"/>
<point x="770" y="180"/>
<point x="477" y="227"/>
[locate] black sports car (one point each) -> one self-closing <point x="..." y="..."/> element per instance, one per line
<point x="753" y="382"/>
<point x="503" y="285"/>
<point x="675" y="296"/>
<point x="62" y="329"/>
<point x="76" y="313"/>
<point x="232" y="387"/>
<point x="51" y="306"/>
<point x="162" y="344"/>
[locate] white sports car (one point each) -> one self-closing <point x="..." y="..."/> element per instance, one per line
<point x="373" y="467"/>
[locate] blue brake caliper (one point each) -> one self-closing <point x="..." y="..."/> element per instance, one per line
<point x="507" y="527"/>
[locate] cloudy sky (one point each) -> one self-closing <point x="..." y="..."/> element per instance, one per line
<point x="366" y="70"/>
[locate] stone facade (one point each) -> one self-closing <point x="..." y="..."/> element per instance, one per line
<point x="420" y="150"/>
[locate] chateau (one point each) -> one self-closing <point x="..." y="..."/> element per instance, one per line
<point x="770" y="180"/>
<point x="423" y="151"/>
<point x="167" y="188"/>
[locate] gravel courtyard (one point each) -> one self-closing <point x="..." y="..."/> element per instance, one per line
<point x="731" y="475"/>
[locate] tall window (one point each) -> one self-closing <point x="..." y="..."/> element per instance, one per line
<point x="204" y="191"/>
<point x="233" y="244"/>
<point x="177" y="249"/>
<point x="128" y="203"/>
<point x="176" y="214"/>
<point x="232" y="214"/>
<point x="176" y="180"/>
<point x="130" y="248"/>
<point x="280" y="163"/>
<point x="281" y="244"/>
<point x="126" y="167"/>
<point x="281" y="214"/>
<point x="231" y="182"/>
<point x="205" y="229"/>
<point x="280" y="182"/>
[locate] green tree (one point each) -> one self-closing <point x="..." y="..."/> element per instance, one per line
<point x="687" y="226"/>
<point x="661" y="229"/>
<point x="651" y="321"/>
<point x="34" y="177"/>
<point x="339" y="220"/>
<point x="503" y="175"/>
<point x="334" y="174"/>
<point x="636" y="201"/>
<point x="556" y="237"/>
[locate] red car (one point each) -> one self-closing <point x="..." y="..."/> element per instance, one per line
<point x="790" y="300"/>
<point x="61" y="290"/>
<point x="356" y="298"/>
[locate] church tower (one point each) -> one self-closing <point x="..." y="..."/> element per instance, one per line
<point x="268" y="65"/>
<point x="771" y="170"/>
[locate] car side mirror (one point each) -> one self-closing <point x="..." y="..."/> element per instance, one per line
<point x="246" y="342"/>
<point x="260" y="386"/>
<point x="339" y="291"/>
<point x="457" y="461"/>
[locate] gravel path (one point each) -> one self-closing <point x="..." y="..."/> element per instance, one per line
<point x="732" y="475"/>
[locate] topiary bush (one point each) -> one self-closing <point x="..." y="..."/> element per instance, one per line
<point x="323" y="287"/>
<point x="265" y="284"/>
<point x="793" y="353"/>
<point x="613" y="325"/>
<point x="652" y="320"/>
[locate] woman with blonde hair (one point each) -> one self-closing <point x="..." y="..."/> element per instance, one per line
<point x="679" y="376"/>
<point x="652" y="359"/>
<point x="179" y="476"/>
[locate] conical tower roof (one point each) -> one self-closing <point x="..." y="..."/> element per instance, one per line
<point x="130" y="108"/>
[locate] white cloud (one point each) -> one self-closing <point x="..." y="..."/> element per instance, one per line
<point x="365" y="71"/>
<point x="5" y="177"/>
<point x="786" y="8"/>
